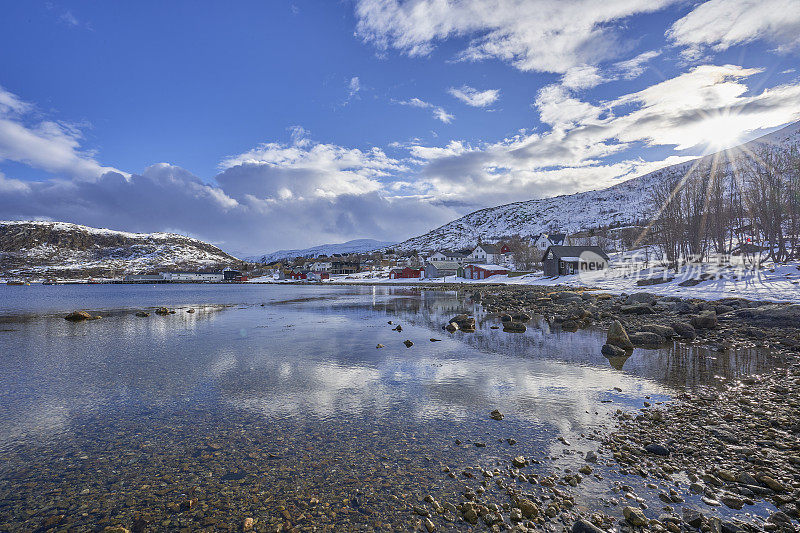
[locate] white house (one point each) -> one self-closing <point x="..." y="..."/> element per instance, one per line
<point x="320" y="266"/>
<point x="545" y="240"/>
<point x="446" y="255"/>
<point x="492" y="254"/>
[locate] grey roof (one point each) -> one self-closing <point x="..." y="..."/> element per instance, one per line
<point x="444" y="265"/>
<point x="574" y="251"/>
<point x="490" y="248"/>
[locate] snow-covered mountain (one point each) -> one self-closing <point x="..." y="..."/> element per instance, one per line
<point x="623" y="204"/>
<point x="354" y="246"/>
<point x="62" y="250"/>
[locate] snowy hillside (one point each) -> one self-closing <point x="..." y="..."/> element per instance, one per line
<point x="620" y="205"/>
<point x="355" y="246"/>
<point x="63" y="250"/>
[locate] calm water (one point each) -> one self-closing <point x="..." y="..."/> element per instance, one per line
<point x="273" y="402"/>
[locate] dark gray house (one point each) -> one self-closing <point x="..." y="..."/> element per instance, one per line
<point x="566" y="260"/>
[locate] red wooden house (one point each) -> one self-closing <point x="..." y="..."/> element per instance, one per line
<point x="405" y="272"/>
<point x="483" y="271"/>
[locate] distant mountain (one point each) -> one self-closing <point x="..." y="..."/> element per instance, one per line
<point x="63" y="250"/>
<point x="623" y="204"/>
<point x="355" y="246"/>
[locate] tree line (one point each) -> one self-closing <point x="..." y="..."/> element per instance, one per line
<point x="745" y="203"/>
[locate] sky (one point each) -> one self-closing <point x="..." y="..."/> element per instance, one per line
<point x="261" y="125"/>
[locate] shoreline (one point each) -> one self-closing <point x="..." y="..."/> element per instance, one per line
<point x="733" y="446"/>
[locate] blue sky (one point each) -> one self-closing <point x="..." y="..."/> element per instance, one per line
<point x="263" y="125"/>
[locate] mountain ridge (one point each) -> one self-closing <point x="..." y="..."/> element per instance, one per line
<point x="352" y="246"/>
<point x="621" y="204"/>
<point x="61" y="249"/>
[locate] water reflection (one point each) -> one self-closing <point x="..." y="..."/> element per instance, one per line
<point x="302" y="375"/>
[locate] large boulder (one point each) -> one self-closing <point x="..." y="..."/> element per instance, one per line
<point x="584" y="526"/>
<point x="515" y="327"/>
<point x="773" y="314"/>
<point x="609" y="350"/>
<point x="617" y="336"/>
<point x="705" y="320"/>
<point x="684" y="330"/>
<point x="664" y="331"/>
<point x="77" y="316"/>
<point x="647" y="338"/>
<point x="640" y="298"/>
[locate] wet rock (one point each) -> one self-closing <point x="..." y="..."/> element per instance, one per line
<point x="519" y="461"/>
<point x="190" y="311"/>
<point x="637" y="309"/>
<point x="617" y="336"/>
<point x="496" y="415"/>
<point x="584" y="526"/>
<point x="634" y="516"/>
<point x="772" y="315"/>
<point x="451" y="327"/>
<point x="640" y="298"/>
<point x="521" y="317"/>
<point x="609" y="350"/>
<point x="706" y="320"/>
<point x="162" y="311"/>
<point x="684" y="330"/>
<point x="78" y="316"/>
<point x="646" y="338"/>
<point x="529" y="509"/>
<point x="663" y="331"/>
<point x="591" y="456"/>
<point x="435" y="340"/>
<point x="657" y="449"/>
<point x="514" y="327"/>
<point x="408" y="343"/>
<point x="379" y="346"/>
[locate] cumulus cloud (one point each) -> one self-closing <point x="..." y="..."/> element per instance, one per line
<point x="582" y="77"/>
<point x="473" y="97"/>
<point x="543" y="35"/>
<point x="720" y="24"/>
<point x="46" y="144"/>
<point x="438" y="112"/>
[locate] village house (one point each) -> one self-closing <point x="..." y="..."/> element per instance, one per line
<point x="545" y="240"/>
<point x="405" y="272"/>
<point x="341" y="267"/>
<point x="440" y="269"/>
<point x="483" y="271"/>
<point x="489" y="253"/>
<point x="446" y="255"/>
<point x="566" y="260"/>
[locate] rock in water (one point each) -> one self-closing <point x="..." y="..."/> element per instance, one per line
<point x="634" y="516"/>
<point x="379" y="346"/>
<point x="496" y="415"/>
<point x="77" y="316"/>
<point x="142" y="314"/>
<point x="162" y="311"/>
<point x="584" y="526"/>
<point x="647" y="338"/>
<point x="408" y="343"/>
<point x="618" y="336"/>
<point x="609" y="350"/>
<point x="516" y="327"/>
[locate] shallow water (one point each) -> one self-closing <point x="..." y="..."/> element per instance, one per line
<point x="273" y="402"/>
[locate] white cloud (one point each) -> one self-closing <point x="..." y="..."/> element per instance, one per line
<point x="45" y="144"/>
<point x="474" y="97"/>
<point x="721" y="24"/>
<point x="546" y="35"/>
<point x="582" y="77"/>
<point x="305" y="169"/>
<point x="634" y="67"/>
<point x="438" y="112"/>
<point x="354" y="86"/>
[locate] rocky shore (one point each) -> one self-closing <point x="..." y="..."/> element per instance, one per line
<point x="726" y="447"/>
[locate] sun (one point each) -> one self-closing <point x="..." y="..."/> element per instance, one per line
<point x="721" y="130"/>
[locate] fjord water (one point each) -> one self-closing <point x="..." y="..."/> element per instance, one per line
<point x="273" y="402"/>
